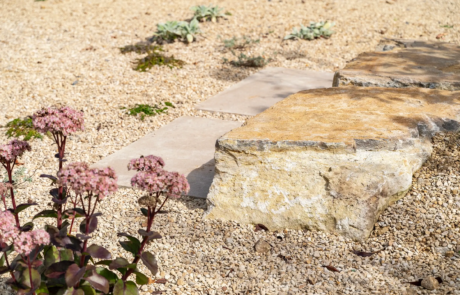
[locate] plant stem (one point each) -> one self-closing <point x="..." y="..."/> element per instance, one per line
<point x="8" y="265"/>
<point x="30" y="274"/>
<point x="60" y="142"/>
<point x="9" y="170"/>
<point x="150" y="217"/>
<point x="88" y="220"/>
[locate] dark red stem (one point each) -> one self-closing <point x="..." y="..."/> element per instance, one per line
<point x="30" y="274"/>
<point x="8" y="265"/>
<point x="9" y="170"/>
<point x="150" y="217"/>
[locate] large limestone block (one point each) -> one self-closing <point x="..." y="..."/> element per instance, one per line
<point x="328" y="159"/>
<point x="405" y="63"/>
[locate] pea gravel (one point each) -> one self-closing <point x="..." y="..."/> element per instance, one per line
<point x="62" y="52"/>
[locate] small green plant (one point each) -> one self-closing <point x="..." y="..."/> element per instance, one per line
<point x="447" y="26"/>
<point x="143" y="110"/>
<point x="208" y="13"/>
<point x="240" y="43"/>
<point x="244" y="60"/>
<point x="313" y="31"/>
<point x="173" y="30"/>
<point x="22" y="127"/>
<point x="154" y="57"/>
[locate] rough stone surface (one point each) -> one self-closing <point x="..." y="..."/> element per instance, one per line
<point x="328" y="159"/>
<point x="430" y="283"/>
<point x="405" y="63"/>
<point x="260" y="91"/>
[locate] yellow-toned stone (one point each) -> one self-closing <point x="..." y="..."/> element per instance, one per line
<point x="407" y="63"/>
<point x="328" y="159"/>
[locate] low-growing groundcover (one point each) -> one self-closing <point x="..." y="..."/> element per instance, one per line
<point x="143" y="110"/>
<point x="154" y="57"/>
<point x="53" y="260"/>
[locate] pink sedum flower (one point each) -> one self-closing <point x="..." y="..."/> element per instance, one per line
<point x="178" y="184"/>
<point x="8" y="229"/>
<point x="148" y="163"/>
<point x="172" y="184"/>
<point x="79" y="178"/>
<point x="63" y="120"/>
<point x="27" y="241"/>
<point x="24" y="243"/>
<point x="40" y="237"/>
<point x="15" y="148"/>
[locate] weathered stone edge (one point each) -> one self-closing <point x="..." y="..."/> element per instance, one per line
<point x="351" y="78"/>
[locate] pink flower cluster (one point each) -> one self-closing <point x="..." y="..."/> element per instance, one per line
<point x="8" y="229"/>
<point x="155" y="179"/>
<point x="79" y="178"/>
<point x="149" y="163"/>
<point x="15" y="148"/>
<point x="27" y="241"/>
<point x="63" y="120"/>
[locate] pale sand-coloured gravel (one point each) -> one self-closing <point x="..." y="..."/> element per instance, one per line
<point x="46" y="46"/>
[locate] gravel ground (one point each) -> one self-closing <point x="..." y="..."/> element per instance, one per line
<point x="66" y="52"/>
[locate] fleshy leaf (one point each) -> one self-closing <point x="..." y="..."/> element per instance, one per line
<point x="25" y="278"/>
<point x="145" y="212"/>
<point x="27" y="227"/>
<point x="92" y="225"/>
<point x="73" y="291"/>
<point x="58" y="268"/>
<point x="125" y="288"/>
<point x="46" y="213"/>
<point x="88" y="290"/>
<point x="141" y="279"/>
<point x="42" y="290"/>
<point x="98" y="252"/>
<point x="22" y="207"/>
<point x="74" y="274"/>
<point x="150" y="262"/>
<point x="98" y="282"/>
<point x="51" y="177"/>
<point x="109" y="275"/>
<point x="151" y="234"/>
<point x="118" y="263"/>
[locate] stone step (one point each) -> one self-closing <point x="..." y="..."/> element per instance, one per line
<point x="186" y="145"/>
<point x="260" y="91"/>
<point x="328" y="159"/>
<point x="403" y="63"/>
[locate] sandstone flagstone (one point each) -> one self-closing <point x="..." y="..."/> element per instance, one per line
<point x="328" y="159"/>
<point x="263" y="89"/>
<point x="405" y="63"/>
<point x="186" y="145"/>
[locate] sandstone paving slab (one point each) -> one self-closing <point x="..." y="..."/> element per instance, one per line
<point x="405" y="63"/>
<point x="328" y="159"/>
<point x="263" y="89"/>
<point x="186" y="145"/>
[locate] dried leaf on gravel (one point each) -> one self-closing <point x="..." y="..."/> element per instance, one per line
<point x="260" y="227"/>
<point x="331" y="268"/>
<point x="366" y="254"/>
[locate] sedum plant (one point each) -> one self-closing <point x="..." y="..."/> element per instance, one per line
<point x="22" y="127"/>
<point x="207" y="13"/>
<point x="313" y="31"/>
<point x="54" y="260"/>
<point x="173" y="30"/>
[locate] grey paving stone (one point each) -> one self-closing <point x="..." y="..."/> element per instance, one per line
<point x="260" y="91"/>
<point x="186" y="145"/>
